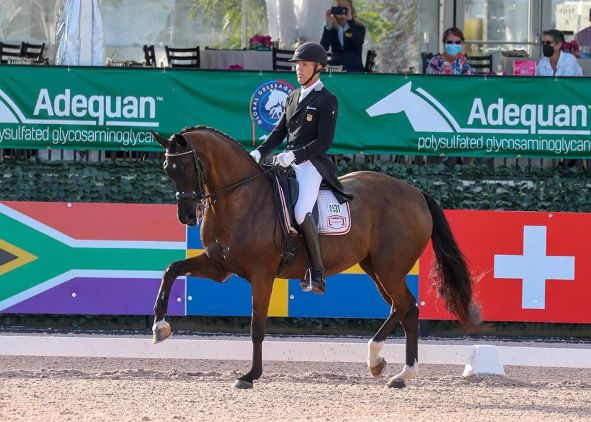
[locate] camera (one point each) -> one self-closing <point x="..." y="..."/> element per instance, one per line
<point x="339" y="11"/>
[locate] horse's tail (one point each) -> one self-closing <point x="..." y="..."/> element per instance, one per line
<point x="450" y="272"/>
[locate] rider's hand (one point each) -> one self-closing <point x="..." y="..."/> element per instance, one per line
<point x="285" y="159"/>
<point x="256" y="155"/>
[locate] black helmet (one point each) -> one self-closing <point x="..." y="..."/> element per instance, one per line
<point x="311" y="52"/>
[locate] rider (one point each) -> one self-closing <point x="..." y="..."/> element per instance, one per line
<point x="309" y="122"/>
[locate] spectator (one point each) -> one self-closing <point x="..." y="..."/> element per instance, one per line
<point x="451" y="61"/>
<point x="344" y="35"/>
<point x="583" y="38"/>
<point x="556" y="62"/>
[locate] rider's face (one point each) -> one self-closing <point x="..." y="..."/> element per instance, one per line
<point x="304" y="69"/>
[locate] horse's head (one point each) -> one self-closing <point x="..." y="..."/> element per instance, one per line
<point x="184" y="169"/>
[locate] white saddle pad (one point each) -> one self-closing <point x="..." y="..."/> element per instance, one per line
<point x="333" y="218"/>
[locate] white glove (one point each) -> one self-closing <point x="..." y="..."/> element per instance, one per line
<point x="285" y="158"/>
<point x="256" y="155"/>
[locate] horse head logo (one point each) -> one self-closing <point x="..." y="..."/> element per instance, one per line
<point x="423" y="116"/>
<point x="276" y="103"/>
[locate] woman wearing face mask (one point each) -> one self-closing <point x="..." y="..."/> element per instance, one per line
<point x="451" y="61"/>
<point x="556" y="62"/>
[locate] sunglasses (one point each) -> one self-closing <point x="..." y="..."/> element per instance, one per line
<point x="547" y="42"/>
<point x="453" y="42"/>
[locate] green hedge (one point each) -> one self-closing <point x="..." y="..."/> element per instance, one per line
<point x="461" y="187"/>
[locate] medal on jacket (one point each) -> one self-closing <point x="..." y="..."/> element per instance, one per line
<point x="309" y="117"/>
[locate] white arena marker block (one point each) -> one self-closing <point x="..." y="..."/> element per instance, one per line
<point x="485" y="360"/>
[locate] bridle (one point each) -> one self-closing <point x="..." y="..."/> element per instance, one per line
<point x="201" y="195"/>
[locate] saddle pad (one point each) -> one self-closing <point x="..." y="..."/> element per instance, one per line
<point x="333" y="218"/>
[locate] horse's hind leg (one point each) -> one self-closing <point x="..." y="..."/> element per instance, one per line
<point x="199" y="266"/>
<point x="410" y="325"/>
<point x="402" y="309"/>
<point x="375" y="362"/>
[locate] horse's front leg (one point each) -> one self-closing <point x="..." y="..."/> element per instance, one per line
<point x="199" y="266"/>
<point x="261" y="295"/>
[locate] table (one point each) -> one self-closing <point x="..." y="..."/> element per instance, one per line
<point x="248" y="59"/>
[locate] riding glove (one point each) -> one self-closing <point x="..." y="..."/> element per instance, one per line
<point x="256" y="155"/>
<point x="285" y="159"/>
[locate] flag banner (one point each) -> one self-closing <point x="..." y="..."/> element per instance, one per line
<point x="80" y="258"/>
<point x="528" y="266"/>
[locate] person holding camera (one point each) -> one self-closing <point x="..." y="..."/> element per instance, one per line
<point x="309" y="122"/>
<point x="344" y="35"/>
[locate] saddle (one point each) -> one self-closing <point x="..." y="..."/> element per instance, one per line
<point x="331" y="217"/>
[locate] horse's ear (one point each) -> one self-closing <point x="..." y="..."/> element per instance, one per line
<point x="160" y="139"/>
<point x="180" y="139"/>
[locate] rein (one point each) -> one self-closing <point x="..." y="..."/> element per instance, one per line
<point x="201" y="195"/>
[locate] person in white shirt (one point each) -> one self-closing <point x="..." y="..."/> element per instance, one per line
<point x="556" y="62"/>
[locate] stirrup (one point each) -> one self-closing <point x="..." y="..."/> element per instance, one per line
<point x="308" y="285"/>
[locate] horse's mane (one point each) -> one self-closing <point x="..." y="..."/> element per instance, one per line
<point x="227" y="138"/>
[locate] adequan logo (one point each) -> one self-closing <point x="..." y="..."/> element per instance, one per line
<point x="426" y="114"/>
<point x="80" y="110"/>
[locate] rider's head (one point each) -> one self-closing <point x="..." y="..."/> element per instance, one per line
<point x="310" y="59"/>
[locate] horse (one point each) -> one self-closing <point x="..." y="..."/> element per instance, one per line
<point x="392" y="222"/>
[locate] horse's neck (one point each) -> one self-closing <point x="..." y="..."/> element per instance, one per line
<point x="226" y="165"/>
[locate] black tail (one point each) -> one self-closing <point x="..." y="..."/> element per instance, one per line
<point x="450" y="272"/>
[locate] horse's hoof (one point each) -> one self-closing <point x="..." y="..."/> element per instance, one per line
<point x="396" y="383"/>
<point x="242" y="385"/>
<point x="161" y="331"/>
<point x="377" y="371"/>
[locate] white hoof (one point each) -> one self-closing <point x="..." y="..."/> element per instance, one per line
<point x="160" y="331"/>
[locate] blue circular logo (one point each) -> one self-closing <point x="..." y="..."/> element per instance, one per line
<point x="267" y="103"/>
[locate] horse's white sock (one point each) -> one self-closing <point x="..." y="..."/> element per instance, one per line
<point x="373" y="357"/>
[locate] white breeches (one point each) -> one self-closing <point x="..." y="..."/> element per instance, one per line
<point x="309" y="181"/>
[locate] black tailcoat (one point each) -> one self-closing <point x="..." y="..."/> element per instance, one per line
<point x="309" y="127"/>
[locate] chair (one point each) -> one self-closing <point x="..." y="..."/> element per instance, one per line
<point x="334" y="68"/>
<point x="9" y="52"/>
<point x="480" y="64"/>
<point x="183" y="57"/>
<point x="150" y="55"/>
<point x="425" y="59"/>
<point x="370" y="61"/>
<point x="33" y="52"/>
<point x="281" y="59"/>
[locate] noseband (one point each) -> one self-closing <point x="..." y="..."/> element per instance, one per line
<point x="201" y="195"/>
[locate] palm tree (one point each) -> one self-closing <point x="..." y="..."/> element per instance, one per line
<point x="227" y="16"/>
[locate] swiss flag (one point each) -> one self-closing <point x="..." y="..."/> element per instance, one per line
<point x="533" y="266"/>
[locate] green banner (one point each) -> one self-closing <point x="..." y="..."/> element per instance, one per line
<point x="114" y="108"/>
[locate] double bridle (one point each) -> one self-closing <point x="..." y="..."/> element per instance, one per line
<point x="203" y="198"/>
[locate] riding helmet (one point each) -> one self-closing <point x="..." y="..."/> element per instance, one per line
<point x="311" y="52"/>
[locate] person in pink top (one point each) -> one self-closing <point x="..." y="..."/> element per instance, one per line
<point x="451" y="61"/>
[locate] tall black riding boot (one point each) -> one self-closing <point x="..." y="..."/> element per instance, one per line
<point x="312" y="241"/>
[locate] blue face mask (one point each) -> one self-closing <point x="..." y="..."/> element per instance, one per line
<point x="453" y="49"/>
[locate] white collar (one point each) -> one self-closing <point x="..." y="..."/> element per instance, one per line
<point x="306" y="91"/>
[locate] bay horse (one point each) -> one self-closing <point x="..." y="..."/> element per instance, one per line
<point x="392" y="223"/>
